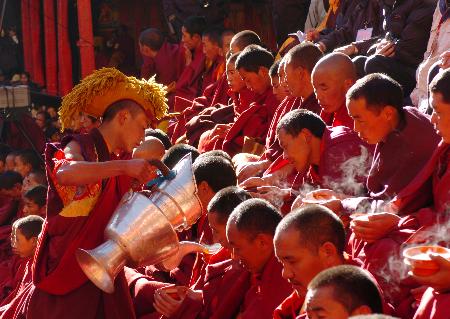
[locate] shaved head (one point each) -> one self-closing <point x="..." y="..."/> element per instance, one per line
<point x="243" y="39"/>
<point x="337" y="65"/>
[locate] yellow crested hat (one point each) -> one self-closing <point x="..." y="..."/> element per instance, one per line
<point x="103" y="87"/>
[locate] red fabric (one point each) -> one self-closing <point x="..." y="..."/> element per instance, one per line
<point x="37" y="71"/>
<point x="340" y="117"/>
<point x="167" y="65"/>
<point x="64" y="51"/>
<point x="86" y="37"/>
<point x="189" y="84"/>
<point x="433" y="305"/>
<point x="26" y="35"/>
<point x="51" y="58"/>
<point x="254" y="122"/>
<point x="290" y="307"/>
<point x="22" y="277"/>
<point x="266" y="292"/>
<point x="241" y="102"/>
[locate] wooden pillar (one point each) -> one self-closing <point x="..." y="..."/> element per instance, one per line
<point x="26" y="35"/>
<point x="64" y="52"/>
<point x="51" y="57"/>
<point x="37" y="70"/>
<point x="86" y="40"/>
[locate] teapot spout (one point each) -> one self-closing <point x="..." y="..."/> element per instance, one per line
<point x="185" y="248"/>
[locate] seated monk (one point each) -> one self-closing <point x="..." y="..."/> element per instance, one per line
<point x="144" y="282"/>
<point x="24" y="237"/>
<point x="342" y="291"/>
<point x="34" y="201"/>
<point x="162" y="59"/>
<point x="279" y="88"/>
<point x="331" y="78"/>
<point x="253" y="65"/>
<point x="295" y="71"/>
<point x="307" y="241"/>
<point x="318" y="153"/>
<point x="26" y="161"/>
<point x="208" y="297"/>
<point x="151" y="148"/>
<point x="405" y="140"/>
<point x="212" y="105"/>
<point x="436" y="299"/>
<point x="250" y="230"/>
<point x="176" y="152"/>
<point x="86" y="182"/>
<point x="189" y="84"/>
<point x="34" y="178"/>
<point x="215" y="92"/>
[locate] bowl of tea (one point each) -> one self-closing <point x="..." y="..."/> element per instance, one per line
<point x="317" y="198"/>
<point x="419" y="259"/>
<point x="175" y="292"/>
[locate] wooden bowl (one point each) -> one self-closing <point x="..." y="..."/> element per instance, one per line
<point x="419" y="259"/>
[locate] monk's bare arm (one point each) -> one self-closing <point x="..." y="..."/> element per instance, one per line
<point x="80" y="172"/>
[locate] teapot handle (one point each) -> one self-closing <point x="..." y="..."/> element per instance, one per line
<point x="161" y="166"/>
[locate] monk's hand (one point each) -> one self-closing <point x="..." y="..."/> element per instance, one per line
<point x="440" y="280"/>
<point x="312" y="35"/>
<point x="444" y="60"/>
<point x="347" y="49"/>
<point x="140" y="170"/>
<point x="273" y="194"/>
<point x="375" y="226"/>
<point x="166" y="304"/>
<point x="251" y="169"/>
<point x="253" y="182"/>
<point x="171" y="87"/>
<point x="385" y="48"/>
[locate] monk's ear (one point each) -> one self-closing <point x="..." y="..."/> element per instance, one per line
<point x="122" y="116"/>
<point x="348" y="83"/>
<point x="263" y="71"/>
<point x="389" y="112"/>
<point x="361" y="310"/>
<point x="327" y="250"/>
<point x="308" y="135"/>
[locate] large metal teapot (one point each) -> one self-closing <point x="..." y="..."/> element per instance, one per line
<point x="142" y="230"/>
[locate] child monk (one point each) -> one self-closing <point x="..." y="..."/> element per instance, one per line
<point x="24" y="237"/>
<point x="34" y="201"/>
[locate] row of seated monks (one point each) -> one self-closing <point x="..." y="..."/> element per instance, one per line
<point x="311" y="180"/>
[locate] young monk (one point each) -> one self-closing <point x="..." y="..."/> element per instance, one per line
<point x="295" y="71"/>
<point x="34" y="201"/>
<point x="250" y="230"/>
<point x="10" y="192"/>
<point x="331" y="78"/>
<point x="279" y="88"/>
<point x="24" y="238"/>
<point x="208" y="296"/>
<point x="189" y="84"/>
<point x="144" y="284"/>
<point x="341" y="292"/>
<point x="25" y="161"/>
<point x="253" y="65"/>
<point x="318" y="153"/>
<point x="84" y="166"/>
<point x="308" y="240"/>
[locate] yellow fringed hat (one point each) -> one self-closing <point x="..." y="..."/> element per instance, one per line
<point x="102" y="88"/>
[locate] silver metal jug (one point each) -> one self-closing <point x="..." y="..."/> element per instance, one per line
<point x="142" y="230"/>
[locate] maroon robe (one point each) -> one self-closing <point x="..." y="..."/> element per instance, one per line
<point x="266" y="292"/>
<point x="60" y="289"/>
<point x="189" y="84"/>
<point x="254" y="122"/>
<point x="434" y="305"/>
<point x="241" y="102"/>
<point x="340" y="117"/>
<point x="22" y="278"/>
<point x="290" y="307"/>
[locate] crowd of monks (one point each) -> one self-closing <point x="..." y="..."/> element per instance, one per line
<point x="312" y="180"/>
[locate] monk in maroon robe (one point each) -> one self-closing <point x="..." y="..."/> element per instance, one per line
<point x="332" y="76"/>
<point x="294" y="72"/>
<point x="253" y="65"/>
<point x="319" y="154"/>
<point x="189" y="85"/>
<point x="405" y="140"/>
<point x="80" y="205"/>
<point x="250" y="231"/>
<point x="208" y="295"/>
